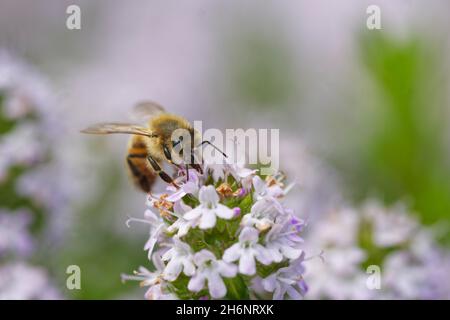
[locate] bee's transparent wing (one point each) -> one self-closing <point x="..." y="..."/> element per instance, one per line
<point x="107" y="128"/>
<point x="143" y="111"/>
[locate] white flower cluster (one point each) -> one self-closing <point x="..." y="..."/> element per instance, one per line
<point x="223" y="234"/>
<point x="411" y="264"/>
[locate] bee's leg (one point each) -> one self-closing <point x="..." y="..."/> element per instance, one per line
<point x="161" y="172"/>
<point x="168" y="156"/>
<point x="186" y="166"/>
<point x="195" y="165"/>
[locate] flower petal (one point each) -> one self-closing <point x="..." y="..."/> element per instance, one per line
<point x="249" y="235"/>
<point x="269" y="283"/>
<point x="193" y="214"/>
<point x="188" y="267"/>
<point x="208" y="195"/>
<point x="183" y="228"/>
<point x="208" y="219"/>
<point x="202" y="256"/>
<point x="247" y="264"/>
<point x="294" y="294"/>
<point x="173" y="269"/>
<point x="216" y="286"/>
<point x="259" y="185"/>
<point x="262" y="255"/>
<point x="224" y="212"/>
<point x="197" y="282"/>
<point x="227" y="270"/>
<point x="232" y="253"/>
<point x="290" y="253"/>
<point x="176" y="196"/>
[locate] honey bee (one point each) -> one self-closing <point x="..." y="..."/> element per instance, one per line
<point x="149" y="147"/>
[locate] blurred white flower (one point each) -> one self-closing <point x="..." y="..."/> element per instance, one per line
<point x="19" y="281"/>
<point x="390" y="238"/>
<point x="21" y="147"/>
<point x="14" y="235"/>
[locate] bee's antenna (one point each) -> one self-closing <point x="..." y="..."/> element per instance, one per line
<point x="212" y="145"/>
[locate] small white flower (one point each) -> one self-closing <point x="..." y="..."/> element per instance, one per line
<point x="247" y="250"/>
<point x="269" y="194"/>
<point x="209" y="209"/>
<point x="147" y="277"/>
<point x="158" y="292"/>
<point x="242" y="174"/>
<point x="180" y="258"/>
<point x="211" y="270"/>
<point x="153" y="279"/>
<point x="262" y="190"/>
<point x="182" y="225"/>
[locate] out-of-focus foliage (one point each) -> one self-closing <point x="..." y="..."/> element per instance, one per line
<point x="257" y="62"/>
<point x="261" y="69"/>
<point x="96" y="246"/>
<point x="404" y="157"/>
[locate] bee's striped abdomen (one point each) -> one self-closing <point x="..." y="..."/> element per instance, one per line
<point x="141" y="173"/>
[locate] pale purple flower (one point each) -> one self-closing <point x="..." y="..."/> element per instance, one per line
<point x="209" y="209"/>
<point x="287" y="281"/>
<point x="211" y="270"/>
<point x="246" y="251"/>
<point x="262" y="215"/>
<point x="180" y="257"/>
<point x="186" y="187"/>
<point x="283" y="241"/>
